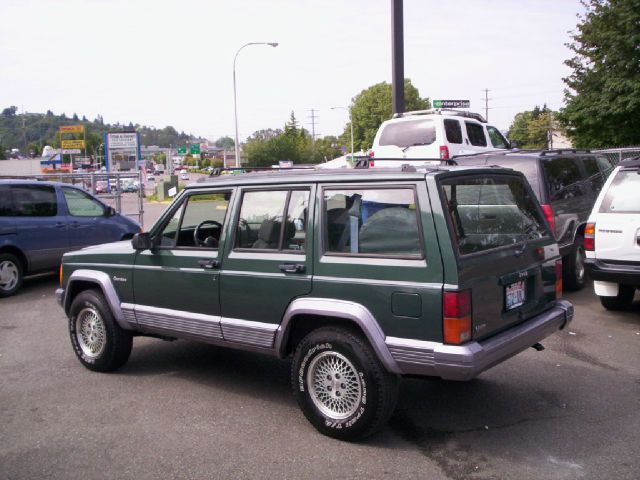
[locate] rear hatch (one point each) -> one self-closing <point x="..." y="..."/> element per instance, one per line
<point x="617" y="229"/>
<point x="506" y="256"/>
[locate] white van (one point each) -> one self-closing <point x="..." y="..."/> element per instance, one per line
<point x="437" y="134"/>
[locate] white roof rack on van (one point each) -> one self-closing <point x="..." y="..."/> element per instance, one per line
<point x="442" y="111"/>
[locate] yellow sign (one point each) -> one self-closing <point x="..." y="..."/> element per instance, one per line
<point x="72" y="144"/>
<point x="72" y="129"/>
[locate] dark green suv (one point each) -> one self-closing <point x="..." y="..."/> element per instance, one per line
<point x="360" y="276"/>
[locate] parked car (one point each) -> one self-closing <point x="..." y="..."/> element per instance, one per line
<point x="40" y="221"/>
<point x="612" y="238"/>
<point x="359" y="276"/>
<point x="184" y="175"/>
<point x="433" y="134"/>
<point x="129" y="185"/>
<point x="567" y="183"/>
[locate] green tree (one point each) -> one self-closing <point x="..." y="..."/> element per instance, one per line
<point x="530" y="128"/>
<point x="225" y="142"/>
<point x="603" y="95"/>
<point x="372" y="106"/>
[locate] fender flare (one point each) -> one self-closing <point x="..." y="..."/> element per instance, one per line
<point x="350" y="311"/>
<point x="102" y="280"/>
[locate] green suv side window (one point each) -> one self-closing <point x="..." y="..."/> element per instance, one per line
<point x="372" y="222"/>
<point x="261" y="226"/>
<point x="198" y="222"/>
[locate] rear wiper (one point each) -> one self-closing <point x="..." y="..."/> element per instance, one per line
<point x="414" y="145"/>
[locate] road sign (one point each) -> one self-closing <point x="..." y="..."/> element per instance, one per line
<point x="181" y="150"/>
<point x="194" y="149"/>
<point x="71" y="151"/>
<point x="72" y="144"/>
<point x="122" y="140"/>
<point x="72" y="129"/>
<point x="451" y="104"/>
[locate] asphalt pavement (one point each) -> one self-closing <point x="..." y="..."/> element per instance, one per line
<point x="186" y="410"/>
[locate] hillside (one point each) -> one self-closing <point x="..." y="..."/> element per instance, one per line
<point x="32" y="131"/>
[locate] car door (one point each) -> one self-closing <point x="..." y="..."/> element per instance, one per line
<point x="267" y="263"/>
<point x="176" y="283"/>
<point x="40" y="224"/>
<point x="85" y="217"/>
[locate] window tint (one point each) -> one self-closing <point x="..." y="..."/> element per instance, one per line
<point x="6" y="208"/>
<point x="453" y="130"/>
<point x="605" y="165"/>
<point x="82" y="205"/>
<point x="491" y="212"/>
<point x="297" y="215"/>
<point x="497" y="140"/>
<point x="201" y="224"/>
<point x="622" y="195"/>
<point x="168" y="235"/>
<point x="595" y="179"/>
<point x="34" y="201"/>
<point x="410" y="133"/>
<point x="563" y="178"/>
<point x="260" y="225"/>
<point x="372" y="222"/>
<point x="475" y="132"/>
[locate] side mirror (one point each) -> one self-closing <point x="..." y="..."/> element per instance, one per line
<point x="142" y="241"/>
<point x="109" y="212"/>
<point x="514" y="144"/>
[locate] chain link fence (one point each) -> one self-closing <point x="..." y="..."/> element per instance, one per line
<point x="123" y="191"/>
<point x="616" y="155"/>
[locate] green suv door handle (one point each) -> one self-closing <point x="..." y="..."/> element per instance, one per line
<point x="291" y="267"/>
<point x="209" y="263"/>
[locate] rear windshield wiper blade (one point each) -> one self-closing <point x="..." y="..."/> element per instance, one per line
<point x="404" y="149"/>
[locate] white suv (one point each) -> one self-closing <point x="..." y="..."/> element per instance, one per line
<point x="612" y="237"/>
<point x="434" y="134"/>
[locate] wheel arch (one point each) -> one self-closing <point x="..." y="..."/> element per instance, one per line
<point x="306" y="314"/>
<point x="19" y="254"/>
<point x="82" y="280"/>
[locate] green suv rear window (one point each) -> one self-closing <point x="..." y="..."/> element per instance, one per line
<point x="491" y="211"/>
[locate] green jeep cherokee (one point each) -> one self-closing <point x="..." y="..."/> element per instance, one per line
<point x="360" y="276"/>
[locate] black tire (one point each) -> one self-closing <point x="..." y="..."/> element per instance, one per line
<point x="622" y="301"/>
<point x="573" y="266"/>
<point x="11" y="274"/>
<point x="355" y="408"/>
<point x="98" y="341"/>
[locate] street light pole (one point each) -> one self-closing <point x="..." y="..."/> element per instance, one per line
<point x="235" y="96"/>
<point x="348" y="109"/>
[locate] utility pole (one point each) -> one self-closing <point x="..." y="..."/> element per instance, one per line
<point x="486" y="104"/>
<point x="550" y="131"/>
<point x="24" y="131"/>
<point x="313" y="117"/>
<point x="397" y="56"/>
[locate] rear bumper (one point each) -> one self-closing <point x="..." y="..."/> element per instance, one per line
<point x="604" y="271"/>
<point x="464" y="362"/>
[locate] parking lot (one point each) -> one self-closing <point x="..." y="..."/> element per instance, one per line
<point x="187" y="410"/>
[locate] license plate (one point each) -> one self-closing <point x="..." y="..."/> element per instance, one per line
<point x="515" y="295"/>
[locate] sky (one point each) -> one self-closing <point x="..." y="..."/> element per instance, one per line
<point x="160" y="63"/>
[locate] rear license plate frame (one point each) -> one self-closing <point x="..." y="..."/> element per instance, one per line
<point x="515" y="295"/>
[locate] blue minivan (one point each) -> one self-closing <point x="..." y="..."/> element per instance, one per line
<point x="40" y="221"/>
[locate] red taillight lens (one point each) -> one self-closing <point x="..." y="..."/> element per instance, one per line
<point x="372" y="153"/>
<point x="590" y="237"/>
<point x="372" y="164"/>
<point x="61" y="275"/>
<point x="456" y="311"/>
<point x="548" y="215"/>
<point x="444" y="152"/>
<point x="558" y="278"/>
